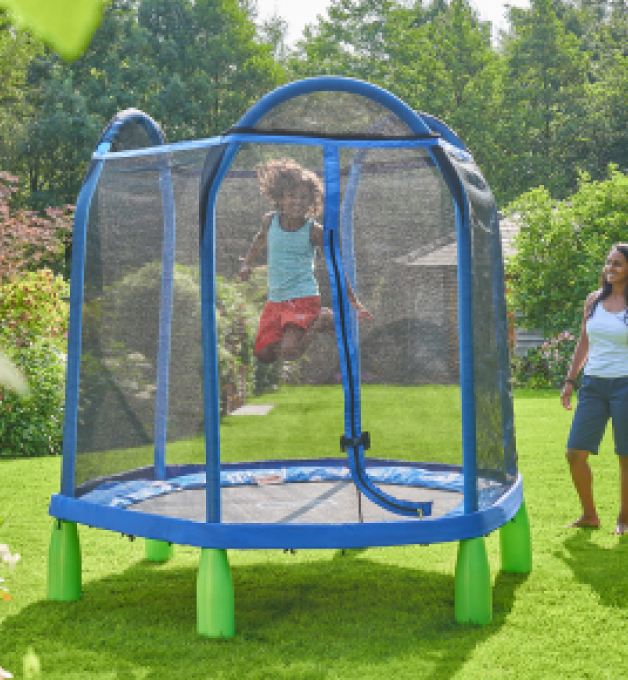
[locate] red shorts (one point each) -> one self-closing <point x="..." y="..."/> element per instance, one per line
<point x="300" y="312"/>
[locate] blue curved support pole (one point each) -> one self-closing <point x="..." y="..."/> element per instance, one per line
<point x="77" y="281"/>
<point x="348" y="351"/>
<point x="335" y="84"/>
<point x="209" y="335"/>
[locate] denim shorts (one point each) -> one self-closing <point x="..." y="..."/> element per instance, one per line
<point x="598" y="400"/>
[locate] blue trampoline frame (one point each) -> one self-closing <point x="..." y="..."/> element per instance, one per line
<point x="429" y="133"/>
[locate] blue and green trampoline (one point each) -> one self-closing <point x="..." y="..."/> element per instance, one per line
<point x="161" y="438"/>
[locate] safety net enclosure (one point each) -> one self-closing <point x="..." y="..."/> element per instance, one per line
<point x="292" y="335"/>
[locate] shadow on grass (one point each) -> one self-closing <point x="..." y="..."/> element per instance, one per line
<point x="603" y="569"/>
<point x="346" y="617"/>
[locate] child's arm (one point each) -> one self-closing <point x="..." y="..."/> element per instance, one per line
<point x="362" y="311"/>
<point x="316" y="236"/>
<point x="257" y="245"/>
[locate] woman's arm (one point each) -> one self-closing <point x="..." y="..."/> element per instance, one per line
<point x="579" y="356"/>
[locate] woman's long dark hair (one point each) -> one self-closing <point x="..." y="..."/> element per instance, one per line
<point x="606" y="288"/>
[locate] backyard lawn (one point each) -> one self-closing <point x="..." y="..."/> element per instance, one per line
<point x="375" y="613"/>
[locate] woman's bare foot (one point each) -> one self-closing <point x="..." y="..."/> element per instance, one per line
<point x="585" y="522"/>
<point x="621" y="528"/>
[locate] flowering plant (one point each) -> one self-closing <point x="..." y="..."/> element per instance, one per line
<point x="11" y="559"/>
<point x="547" y="364"/>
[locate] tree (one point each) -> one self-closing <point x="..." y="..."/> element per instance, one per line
<point x="16" y="51"/>
<point x="207" y="64"/>
<point x="194" y="66"/>
<point x="54" y="150"/>
<point x="561" y="247"/>
<point x="351" y="41"/>
<point x="450" y="70"/>
<point x="544" y="102"/>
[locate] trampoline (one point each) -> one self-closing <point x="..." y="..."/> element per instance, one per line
<point x="388" y="430"/>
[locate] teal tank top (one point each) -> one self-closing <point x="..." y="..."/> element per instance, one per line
<point x="290" y="262"/>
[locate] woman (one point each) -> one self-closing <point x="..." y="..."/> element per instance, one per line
<point x="603" y="351"/>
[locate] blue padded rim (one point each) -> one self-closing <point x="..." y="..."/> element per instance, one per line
<point x="123" y="492"/>
<point x="263" y="536"/>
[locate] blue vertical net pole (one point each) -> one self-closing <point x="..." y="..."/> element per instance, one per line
<point x="166" y="299"/>
<point x="348" y="350"/>
<point x="465" y="323"/>
<point x="209" y="334"/>
<point x="465" y="335"/>
<point x="501" y="333"/>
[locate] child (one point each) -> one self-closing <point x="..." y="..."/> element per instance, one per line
<point x="290" y="234"/>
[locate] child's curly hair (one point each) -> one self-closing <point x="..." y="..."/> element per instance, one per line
<point x="280" y="176"/>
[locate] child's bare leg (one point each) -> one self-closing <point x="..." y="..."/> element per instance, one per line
<point x="294" y="342"/>
<point x="269" y="353"/>
<point x="296" y="339"/>
<point x="622" y="518"/>
<point x="582" y="478"/>
<point x="324" y="321"/>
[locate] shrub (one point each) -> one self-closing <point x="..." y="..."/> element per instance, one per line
<point x="33" y="326"/>
<point x="236" y="334"/>
<point x="562" y="247"/>
<point x="31" y="425"/>
<point x="236" y="313"/>
<point x="34" y="305"/>
<point x="30" y="239"/>
<point x="547" y="364"/>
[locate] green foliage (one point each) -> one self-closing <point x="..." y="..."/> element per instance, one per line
<point x="54" y="147"/>
<point x="31" y="425"/>
<point x="30" y="239"/>
<point x="67" y="25"/>
<point x="352" y="41"/>
<point x="561" y="249"/>
<point x="236" y="319"/>
<point x="33" y="326"/>
<point x="32" y="306"/>
<point x="544" y="103"/>
<point x="16" y="51"/>
<point x="546" y="365"/>
<point x="237" y="310"/>
<point x="193" y="66"/>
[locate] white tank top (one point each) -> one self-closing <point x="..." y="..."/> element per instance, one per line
<point x="608" y="344"/>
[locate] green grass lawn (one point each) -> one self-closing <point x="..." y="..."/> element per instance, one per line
<point x="317" y="614"/>
<point x="407" y="423"/>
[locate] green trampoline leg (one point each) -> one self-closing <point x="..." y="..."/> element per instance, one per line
<point x="64" y="562"/>
<point x="158" y="551"/>
<point x="474" y="596"/>
<point x="515" y="543"/>
<point x="215" y="616"/>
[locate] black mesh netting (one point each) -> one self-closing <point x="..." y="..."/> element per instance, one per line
<point x="399" y="255"/>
